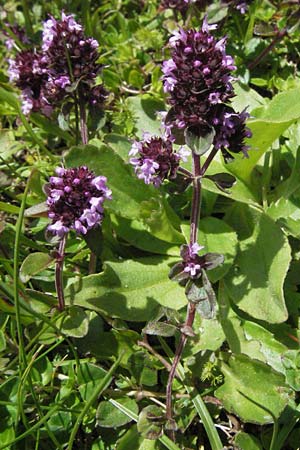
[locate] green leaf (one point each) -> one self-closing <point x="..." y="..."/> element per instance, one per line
<point x="2" y="341"/>
<point x="252" y="390"/>
<point x="13" y="209"/>
<point x="145" y="109"/>
<point x="160" y="329"/>
<point x="246" y="441"/>
<point x="255" y="284"/>
<point x="10" y="98"/>
<point x="138" y="235"/>
<point x="223" y="181"/>
<point x="150" y="422"/>
<point x="134" y="441"/>
<point x="199" y="138"/>
<point x="108" y="416"/>
<point x="50" y="127"/>
<point x="75" y="323"/>
<point x="130" y="290"/>
<point x="271" y="121"/>
<point x="33" y="264"/>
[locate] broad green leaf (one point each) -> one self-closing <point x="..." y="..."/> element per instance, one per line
<point x="160" y="329"/>
<point x="75" y="323"/>
<point x="13" y="209"/>
<point x="246" y="97"/>
<point x="34" y="264"/>
<point x="89" y="376"/>
<point x="8" y="144"/>
<point x="255" y="284"/>
<point x="130" y="290"/>
<point x="252" y="390"/>
<point x="10" y="98"/>
<point x="120" y="144"/>
<point x="246" y="441"/>
<point x="150" y="422"/>
<point x="216" y="237"/>
<point x="137" y="234"/>
<point x="50" y="127"/>
<point x="208" y="336"/>
<point x="143" y="368"/>
<point x="270" y="122"/>
<point x="249" y="338"/>
<point x="108" y="415"/>
<point x="134" y="441"/>
<point x="131" y="198"/>
<point x="145" y="109"/>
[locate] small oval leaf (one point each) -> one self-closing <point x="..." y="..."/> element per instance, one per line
<point x="199" y="138"/>
<point x="33" y="264"/>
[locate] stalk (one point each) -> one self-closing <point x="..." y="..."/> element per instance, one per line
<point x="59" y="274"/>
<point x="194" y="224"/>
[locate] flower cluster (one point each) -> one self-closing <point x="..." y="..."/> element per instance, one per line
<point x="198" y="81"/>
<point x="75" y="200"/>
<point x="67" y="60"/>
<point x="192" y="264"/>
<point x="154" y="159"/>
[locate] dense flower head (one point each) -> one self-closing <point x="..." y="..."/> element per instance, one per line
<point x="230" y="130"/>
<point x="69" y="53"/>
<point x="66" y="61"/>
<point x="154" y="159"/>
<point x="198" y="80"/>
<point x="75" y="200"/>
<point x="197" y="76"/>
<point x="29" y="72"/>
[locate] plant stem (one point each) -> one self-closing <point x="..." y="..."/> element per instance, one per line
<point x="83" y="126"/>
<point x="196" y="202"/>
<point x="183" y="338"/>
<point x="195" y="216"/>
<point x="59" y="274"/>
<point x="264" y="53"/>
<point x="208" y="160"/>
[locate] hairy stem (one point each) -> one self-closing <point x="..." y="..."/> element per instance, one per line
<point x="195" y="216"/>
<point x="83" y="125"/>
<point x="59" y="274"/>
<point x="208" y="160"/>
<point x="264" y="53"/>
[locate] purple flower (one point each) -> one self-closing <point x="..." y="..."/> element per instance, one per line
<point x="154" y="159"/>
<point x="69" y="53"/>
<point x="67" y="58"/>
<point x="192" y="264"/>
<point x="197" y="76"/>
<point x="230" y="130"/>
<point x="75" y="200"/>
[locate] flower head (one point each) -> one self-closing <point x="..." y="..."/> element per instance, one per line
<point x="231" y="131"/>
<point x="75" y="200"/>
<point x="154" y="159"/>
<point x="67" y="58"/>
<point x="197" y="76"/>
<point x="69" y="53"/>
